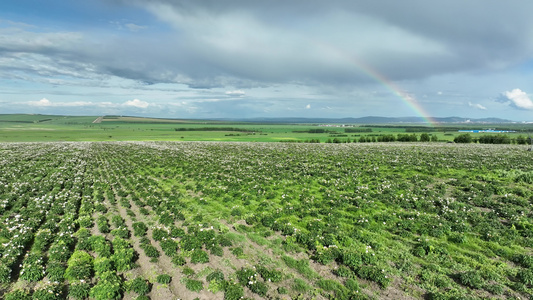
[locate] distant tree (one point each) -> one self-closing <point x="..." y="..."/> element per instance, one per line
<point x="434" y="138"/>
<point x="463" y="138"/>
<point x="424" y="137"/>
<point x="520" y="140"/>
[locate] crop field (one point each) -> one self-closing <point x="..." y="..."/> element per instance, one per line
<point x="212" y="220"/>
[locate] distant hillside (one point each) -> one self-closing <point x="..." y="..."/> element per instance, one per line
<point x="373" y="120"/>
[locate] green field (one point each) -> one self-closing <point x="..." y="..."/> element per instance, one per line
<point x="46" y="128"/>
<point x="211" y="220"/>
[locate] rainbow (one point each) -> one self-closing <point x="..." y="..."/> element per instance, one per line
<point x="371" y="72"/>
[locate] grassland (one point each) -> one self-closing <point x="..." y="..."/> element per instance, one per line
<point x="45" y="128"/>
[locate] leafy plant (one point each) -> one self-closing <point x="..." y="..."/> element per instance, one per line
<point x="193" y="285"/>
<point x="199" y="256"/>
<point x="80" y="266"/>
<point x="163" y="278"/>
<point x="109" y="286"/>
<point x="472" y="279"/>
<point x="18" y="295"/>
<point x="139" y="286"/>
<point x="79" y="290"/>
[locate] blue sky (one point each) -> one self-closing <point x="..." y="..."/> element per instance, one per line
<point x="241" y="58"/>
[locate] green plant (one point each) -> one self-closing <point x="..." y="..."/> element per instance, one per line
<point x="233" y="291"/>
<point x="103" y="264"/>
<point x="188" y="272"/>
<point x="49" y="291"/>
<point x="5" y="273"/>
<point x="80" y="266"/>
<point x="163" y="278"/>
<point x="139" y="229"/>
<point x="178" y="260"/>
<point x="109" y="286"/>
<point x="79" y="290"/>
<point x="138" y="285"/>
<point x="32" y="268"/>
<point x="193" y="285"/>
<point x="18" y="295"/>
<point x="199" y="256"/>
<point x="215" y="275"/>
<point x="238" y="252"/>
<point x="300" y="286"/>
<point x="169" y="247"/>
<point x="525" y="276"/>
<point x="56" y="271"/>
<point x="472" y="279"/>
<point x="150" y="250"/>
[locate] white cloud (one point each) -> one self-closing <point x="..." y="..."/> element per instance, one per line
<point x="519" y="99"/>
<point x="308" y="106"/>
<point x="134" y="27"/>
<point x="236" y="93"/>
<point x="137" y="103"/>
<point x="47" y="103"/>
<point x="42" y="102"/>
<point x="477" y="105"/>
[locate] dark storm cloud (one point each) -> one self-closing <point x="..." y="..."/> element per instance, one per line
<point x="245" y="43"/>
<point x="280" y="41"/>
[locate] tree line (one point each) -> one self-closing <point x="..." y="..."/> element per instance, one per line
<point x="492" y="139"/>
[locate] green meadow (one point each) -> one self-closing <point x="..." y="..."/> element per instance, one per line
<point x="50" y="128"/>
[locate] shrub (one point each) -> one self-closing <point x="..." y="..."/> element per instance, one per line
<point x="216" y="285"/>
<point x="188" y="272"/>
<point x="351" y="259"/>
<point x="194" y="285"/>
<point x="270" y="275"/>
<point x="169" y="247"/>
<point x="139" y="229"/>
<point x="163" y="278"/>
<point x="48" y="292"/>
<point x="233" y="291"/>
<point x="199" y="256"/>
<point x="103" y="264"/>
<point x="159" y="234"/>
<point x="32" y="268"/>
<point x="343" y="271"/>
<point x="471" y="279"/>
<point x="80" y="266"/>
<point x="375" y="274"/>
<point x="18" y="295"/>
<point x="5" y="273"/>
<point x="100" y="245"/>
<point x="121" y="232"/>
<point x="352" y="285"/>
<point x="190" y="242"/>
<point x="124" y="259"/>
<point x="79" y="290"/>
<point x="300" y="286"/>
<point x="216" y="250"/>
<point x="59" y="251"/>
<point x="238" y="252"/>
<point x="224" y="241"/>
<point x="109" y="286"/>
<point x="215" y="275"/>
<point x="178" y="260"/>
<point x="139" y="286"/>
<point x="525" y="276"/>
<point x="56" y="271"/>
<point x="150" y="250"/>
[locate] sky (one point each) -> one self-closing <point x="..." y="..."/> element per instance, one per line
<point x="277" y="58"/>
